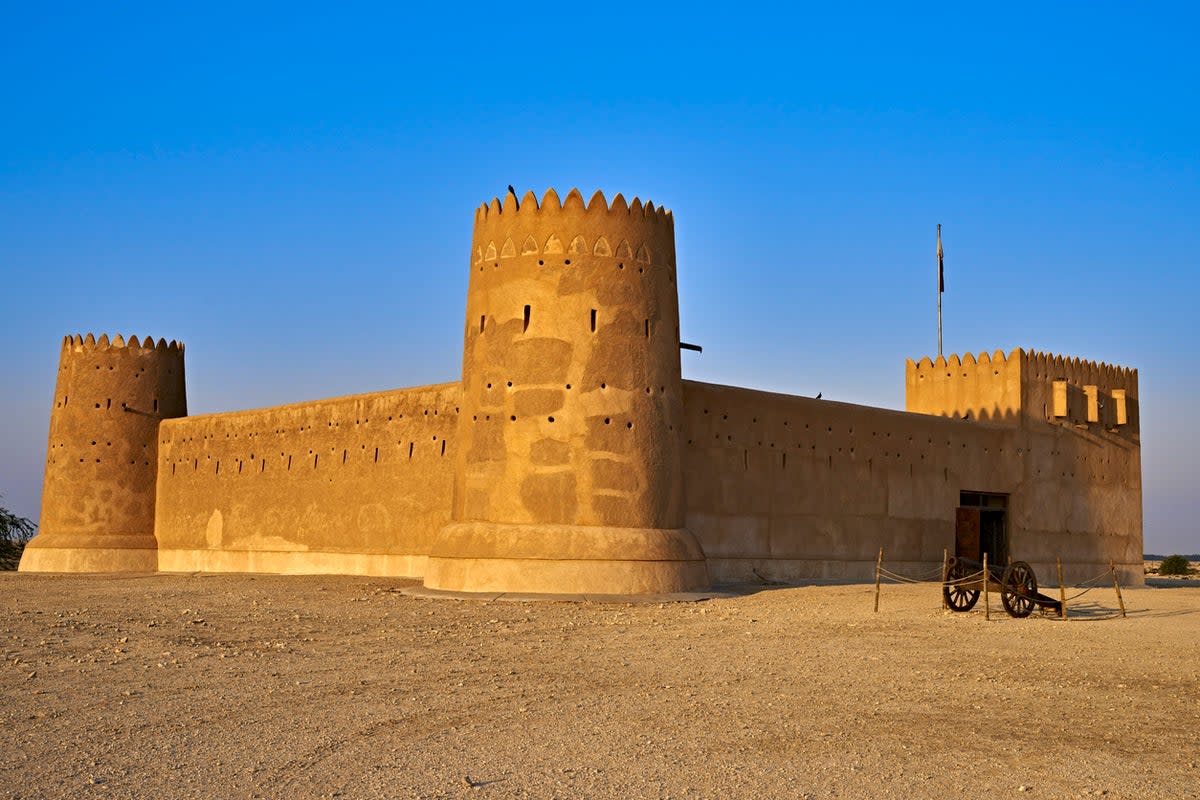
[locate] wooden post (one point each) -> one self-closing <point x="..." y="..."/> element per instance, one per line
<point x="945" y="576"/>
<point x="878" y="567"/>
<point x="1062" y="591"/>
<point x="1116" y="585"/>
<point x="987" y="611"/>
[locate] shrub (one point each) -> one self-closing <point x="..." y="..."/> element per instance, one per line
<point x="14" y="533"/>
<point x="1174" y="565"/>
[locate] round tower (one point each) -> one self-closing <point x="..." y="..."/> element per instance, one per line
<point x="102" y="458"/>
<point x="568" y="476"/>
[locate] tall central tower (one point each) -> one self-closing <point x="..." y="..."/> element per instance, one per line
<point x="568" y="478"/>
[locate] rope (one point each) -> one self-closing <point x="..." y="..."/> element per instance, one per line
<point x="930" y="577"/>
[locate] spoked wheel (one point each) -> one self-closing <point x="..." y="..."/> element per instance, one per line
<point x="1018" y="587"/>
<point x="958" y="596"/>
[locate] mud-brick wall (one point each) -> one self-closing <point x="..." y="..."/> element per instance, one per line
<point x="354" y="485"/>
<point x="799" y="488"/>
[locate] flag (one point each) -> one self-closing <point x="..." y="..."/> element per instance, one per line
<point x="941" y="270"/>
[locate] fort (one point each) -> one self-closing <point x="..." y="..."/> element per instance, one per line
<point x="572" y="457"/>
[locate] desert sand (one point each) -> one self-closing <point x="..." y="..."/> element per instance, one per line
<point x="295" y="687"/>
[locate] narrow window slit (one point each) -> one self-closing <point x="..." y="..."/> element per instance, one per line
<point x="526" y="324"/>
<point x="593" y="320"/>
<point x="482" y="322"/>
<point x="410" y="450"/>
<point x="646" y="323"/>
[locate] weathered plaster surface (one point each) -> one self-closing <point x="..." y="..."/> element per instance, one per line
<point x="354" y="484"/>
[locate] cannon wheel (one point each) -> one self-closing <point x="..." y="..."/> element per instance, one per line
<point x="1018" y="587"/>
<point x="958" y="598"/>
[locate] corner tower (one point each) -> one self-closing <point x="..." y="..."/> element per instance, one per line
<point x="568" y="476"/>
<point x="102" y="459"/>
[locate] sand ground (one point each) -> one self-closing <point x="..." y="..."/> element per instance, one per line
<point x="297" y="687"/>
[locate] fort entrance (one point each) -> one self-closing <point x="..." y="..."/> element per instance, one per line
<point x="981" y="526"/>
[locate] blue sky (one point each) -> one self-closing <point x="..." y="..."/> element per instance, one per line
<point x="289" y="189"/>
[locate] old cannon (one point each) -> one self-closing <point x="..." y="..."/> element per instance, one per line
<point x="1016" y="582"/>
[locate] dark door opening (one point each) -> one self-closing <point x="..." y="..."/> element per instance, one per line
<point x="981" y="526"/>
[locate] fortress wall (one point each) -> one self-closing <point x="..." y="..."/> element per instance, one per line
<point x="800" y="488"/>
<point x="356" y="485"/>
<point x="1082" y="500"/>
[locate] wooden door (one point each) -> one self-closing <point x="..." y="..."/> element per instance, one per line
<point x="966" y="534"/>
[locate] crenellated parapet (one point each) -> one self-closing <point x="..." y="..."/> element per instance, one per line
<point x="1024" y="384"/>
<point x="1082" y="393"/>
<point x="986" y="387"/>
<point x="98" y="498"/>
<point x="557" y="231"/>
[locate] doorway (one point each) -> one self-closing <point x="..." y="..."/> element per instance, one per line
<point x="981" y="526"/>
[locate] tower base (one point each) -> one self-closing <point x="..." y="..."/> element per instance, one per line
<point x="90" y="553"/>
<point x="565" y="559"/>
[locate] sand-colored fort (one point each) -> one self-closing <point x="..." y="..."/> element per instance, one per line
<point x="573" y="457"/>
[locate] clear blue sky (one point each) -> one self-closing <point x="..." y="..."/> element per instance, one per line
<point x="289" y="189"/>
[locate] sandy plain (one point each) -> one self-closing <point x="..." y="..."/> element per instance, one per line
<point x="220" y="686"/>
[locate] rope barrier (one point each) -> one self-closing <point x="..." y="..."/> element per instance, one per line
<point x="974" y="577"/>
<point x="983" y="578"/>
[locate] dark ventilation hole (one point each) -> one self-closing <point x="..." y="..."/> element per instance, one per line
<point x="646" y="324"/>
<point x="621" y="265"/>
<point x="604" y="386"/>
<point x="443" y="447"/>
<point x="482" y="322"/>
<point x="593" y="320"/>
<point x="568" y="388"/>
<point x="410" y="450"/>
<point x="513" y="418"/>
<point x="97" y="405"/>
<point x="541" y="263"/>
<point x="509" y="386"/>
<point x="629" y="426"/>
<point x="525" y="327"/>
<point x="567" y="261"/>
<point x="607" y="420"/>
<point x="550" y="419"/>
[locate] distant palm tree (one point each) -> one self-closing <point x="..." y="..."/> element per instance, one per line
<point x="14" y="533"/>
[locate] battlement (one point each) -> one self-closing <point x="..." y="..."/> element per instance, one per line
<point x="1038" y="385"/>
<point x="984" y="387"/>
<point x="90" y="342"/>
<point x="1080" y="372"/>
<point x="637" y="233"/>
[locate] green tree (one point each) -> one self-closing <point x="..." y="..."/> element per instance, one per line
<point x="14" y="533"/>
<point x="1174" y="565"/>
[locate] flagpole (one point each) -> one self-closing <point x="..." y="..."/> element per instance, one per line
<point x="940" y="286"/>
